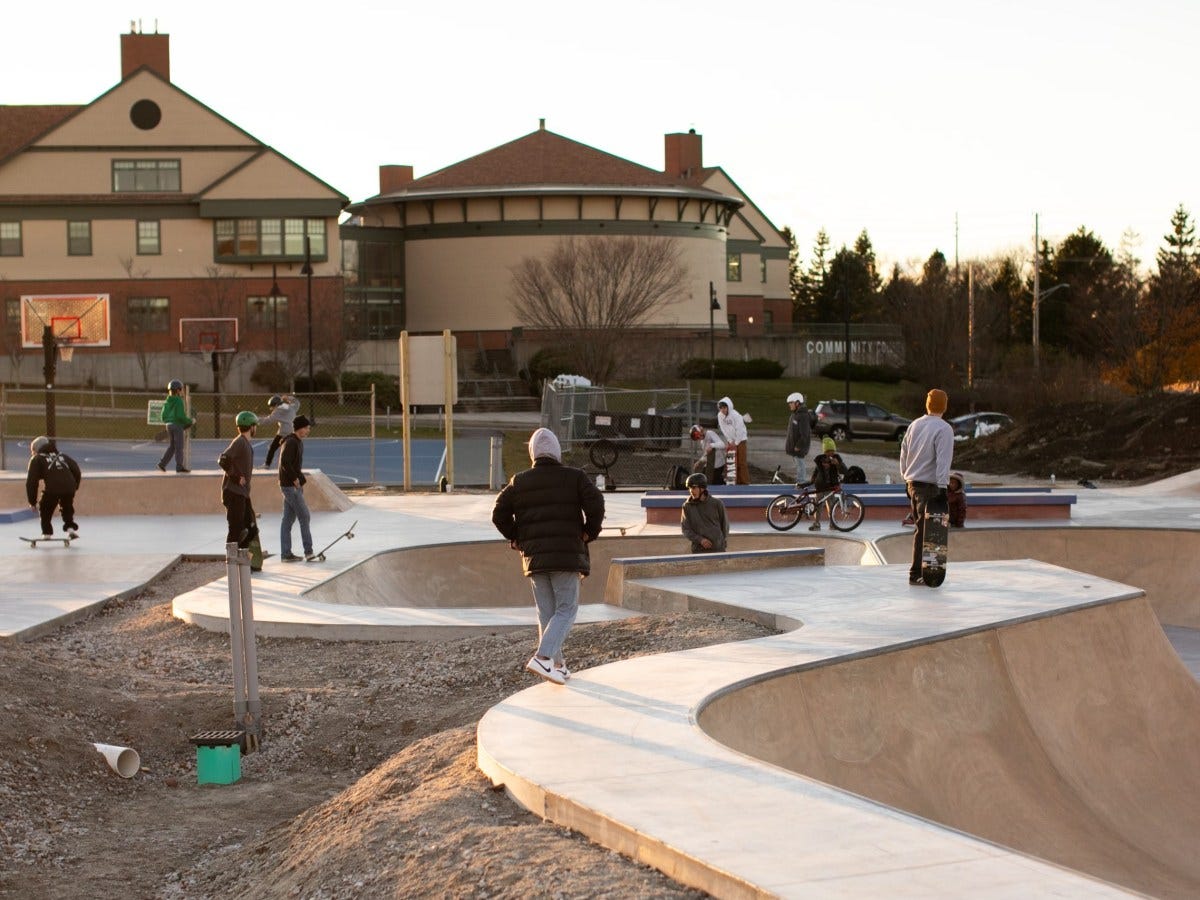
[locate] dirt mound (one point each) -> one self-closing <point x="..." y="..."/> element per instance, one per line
<point x="366" y="784"/>
<point x="1135" y="440"/>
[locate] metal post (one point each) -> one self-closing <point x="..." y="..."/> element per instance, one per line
<point x="49" y="353"/>
<point x="307" y="271"/>
<point x="234" y="579"/>
<point x="216" y="370"/>
<point x="252" y="718"/>
<point x="713" y="306"/>
<point x="372" y="433"/>
<point x="1037" y="290"/>
<point x="496" y="462"/>
<point x="846" y="341"/>
<point x="274" y="316"/>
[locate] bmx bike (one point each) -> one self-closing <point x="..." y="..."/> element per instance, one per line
<point x="845" y="510"/>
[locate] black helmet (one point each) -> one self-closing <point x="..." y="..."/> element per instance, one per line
<point x="696" y="479"/>
<point x="274" y="401"/>
<point x="174" y="385"/>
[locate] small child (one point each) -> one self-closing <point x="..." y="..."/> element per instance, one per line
<point x="828" y="471"/>
<point x="283" y="411"/>
<point x="956" y="499"/>
<point x="61" y="476"/>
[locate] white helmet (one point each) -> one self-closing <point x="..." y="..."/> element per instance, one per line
<point x="795" y="397"/>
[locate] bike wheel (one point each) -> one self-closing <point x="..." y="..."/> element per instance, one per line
<point x="846" y="512"/>
<point x="783" y="512"/>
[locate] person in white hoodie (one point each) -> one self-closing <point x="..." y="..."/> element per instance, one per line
<point x="733" y="427"/>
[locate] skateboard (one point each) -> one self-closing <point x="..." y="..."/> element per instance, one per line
<point x="937" y="539"/>
<point x="348" y="533"/>
<point x="33" y="542"/>
<point x="256" y="554"/>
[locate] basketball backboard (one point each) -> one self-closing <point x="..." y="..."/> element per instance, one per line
<point x="214" y="335"/>
<point x="75" y="320"/>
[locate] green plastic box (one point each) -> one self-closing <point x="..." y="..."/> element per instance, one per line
<point x="218" y="765"/>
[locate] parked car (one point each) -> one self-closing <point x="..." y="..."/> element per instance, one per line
<point x="703" y="412"/>
<point x="975" y="425"/>
<point x="867" y="420"/>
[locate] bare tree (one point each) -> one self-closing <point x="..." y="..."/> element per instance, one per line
<point x="10" y="335"/>
<point x="333" y="346"/>
<point x="589" y="292"/>
<point x="136" y="324"/>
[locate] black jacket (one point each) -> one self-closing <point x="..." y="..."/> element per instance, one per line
<point x="291" y="462"/>
<point x="799" y="433"/>
<point x="59" y="471"/>
<point x="548" y="510"/>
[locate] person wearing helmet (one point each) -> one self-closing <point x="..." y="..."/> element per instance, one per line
<point x="238" y="464"/>
<point x="61" y="476"/>
<point x="283" y="411"/>
<point x="176" y="419"/>
<point x="733" y="426"/>
<point x="799" y="432"/>
<point x="703" y="520"/>
<point x="712" y="454"/>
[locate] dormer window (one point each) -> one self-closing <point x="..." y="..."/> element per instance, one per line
<point x="145" y="175"/>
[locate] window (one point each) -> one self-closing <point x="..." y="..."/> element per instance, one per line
<point x="267" y="313"/>
<point x="148" y="240"/>
<point x="762" y="269"/>
<point x="732" y="325"/>
<point x="733" y="267"/>
<point x="146" y="175"/>
<point x="10" y="238"/>
<point x="148" y="314"/>
<point x="79" y="238"/>
<point x="270" y="238"/>
<point x="12" y="316"/>
<point x="768" y="322"/>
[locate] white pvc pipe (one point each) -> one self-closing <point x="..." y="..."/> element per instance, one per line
<point x="125" y="761"/>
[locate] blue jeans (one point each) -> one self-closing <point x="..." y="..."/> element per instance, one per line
<point x="294" y="508"/>
<point x="557" y="597"/>
<point x="175" y="448"/>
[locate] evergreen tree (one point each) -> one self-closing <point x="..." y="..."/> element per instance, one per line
<point x="1170" y="315"/>
<point x="812" y="281"/>
<point x="795" y="285"/>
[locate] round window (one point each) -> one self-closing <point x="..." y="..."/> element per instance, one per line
<point x="145" y="114"/>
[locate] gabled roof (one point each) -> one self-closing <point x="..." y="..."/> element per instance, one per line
<point x="22" y="125"/>
<point x="544" y="158"/>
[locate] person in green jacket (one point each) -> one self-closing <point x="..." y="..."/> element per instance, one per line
<point x="176" y="419"/>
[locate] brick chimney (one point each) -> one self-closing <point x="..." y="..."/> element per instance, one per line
<point x="684" y="153"/>
<point x="150" y="50"/>
<point x="394" y="178"/>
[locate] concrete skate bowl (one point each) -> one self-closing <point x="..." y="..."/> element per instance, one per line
<point x="1165" y="562"/>
<point x="1074" y="738"/>
<point x="488" y="573"/>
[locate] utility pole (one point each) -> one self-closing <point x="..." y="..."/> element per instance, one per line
<point x="1037" y="290"/>
<point x="971" y="329"/>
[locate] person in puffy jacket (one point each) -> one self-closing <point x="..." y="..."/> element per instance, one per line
<point x="550" y="513"/>
<point x="61" y="477"/>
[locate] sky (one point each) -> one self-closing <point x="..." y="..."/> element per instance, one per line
<point x="933" y="125"/>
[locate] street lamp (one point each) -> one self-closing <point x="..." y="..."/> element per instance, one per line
<point x="307" y="272"/>
<point x="274" y="298"/>
<point x="713" y="306"/>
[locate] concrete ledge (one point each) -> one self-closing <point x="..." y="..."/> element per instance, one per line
<point x="20" y="514"/>
<point x="169" y="494"/>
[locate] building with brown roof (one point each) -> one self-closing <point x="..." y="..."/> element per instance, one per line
<point x="438" y="252"/>
<point x="149" y="199"/>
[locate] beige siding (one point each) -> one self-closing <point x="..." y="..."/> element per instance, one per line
<point x="521" y="209"/>
<point x="90" y="172"/>
<point x="106" y="121"/>
<point x="268" y="177"/>
<point x="718" y="181"/>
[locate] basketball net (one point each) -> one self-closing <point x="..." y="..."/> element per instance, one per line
<point x="65" y="353"/>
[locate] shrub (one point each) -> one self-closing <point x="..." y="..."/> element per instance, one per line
<point x="759" y="368"/>
<point x="387" y="387"/>
<point x="270" y="376"/>
<point x="544" y="365"/>
<point x="861" y="372"/>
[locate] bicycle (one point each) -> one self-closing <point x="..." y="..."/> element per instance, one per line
<point x="845" y="510"/>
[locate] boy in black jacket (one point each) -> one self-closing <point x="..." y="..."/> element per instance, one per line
<point x="291" y="484"/>
<point x="61" y="476"/>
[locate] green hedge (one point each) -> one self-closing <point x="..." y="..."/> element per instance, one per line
<point x="860" y="372"/>
<point x="387" y="387"/>
<point x="731" y="368"/>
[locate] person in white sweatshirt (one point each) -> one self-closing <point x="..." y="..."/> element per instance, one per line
<point x="926" y="454"/>
<point x="733" y="428"/>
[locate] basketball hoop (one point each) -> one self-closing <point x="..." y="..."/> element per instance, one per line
<point x="65" y="353"/>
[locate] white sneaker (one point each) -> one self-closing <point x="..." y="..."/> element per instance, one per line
<point x="544" y="668"/>
<point x="563" y="670"/>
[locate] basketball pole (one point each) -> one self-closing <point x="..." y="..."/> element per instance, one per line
<point x="49" y="353"/>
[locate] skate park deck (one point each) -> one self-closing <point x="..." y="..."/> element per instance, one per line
<point x="648" y="774"/>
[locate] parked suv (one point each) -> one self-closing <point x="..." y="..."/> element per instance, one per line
<point x="867" y="420"/>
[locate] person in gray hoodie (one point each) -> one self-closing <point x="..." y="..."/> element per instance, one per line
<point x="703" y="519"/>
<point x="283" y="412"/>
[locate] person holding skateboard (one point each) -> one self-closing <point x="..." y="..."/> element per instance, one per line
<point x="61" y="476"/>
<point x="291" y="485"/>
<point x="283" y="411"/>
<point x="733" y="426"/>
<point x="926" y="453"/>
<point x="238" y="464"/>
<point x="176" y="419"/>
<point x="550" y="513"/>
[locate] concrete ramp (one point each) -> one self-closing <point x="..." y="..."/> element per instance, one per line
<point x="1074" y="738"/>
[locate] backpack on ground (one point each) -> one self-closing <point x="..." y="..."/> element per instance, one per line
<point x="676" y="477"/>
<point x="855" y="475"/>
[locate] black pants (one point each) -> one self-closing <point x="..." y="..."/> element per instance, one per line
<point x="47" y="506"/>
<point x="239" y="518"/>
<point x="275" y="442"/>
<point x="919" y="495"/>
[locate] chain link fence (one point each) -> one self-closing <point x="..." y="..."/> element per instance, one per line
<point x="634" y="438"/>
